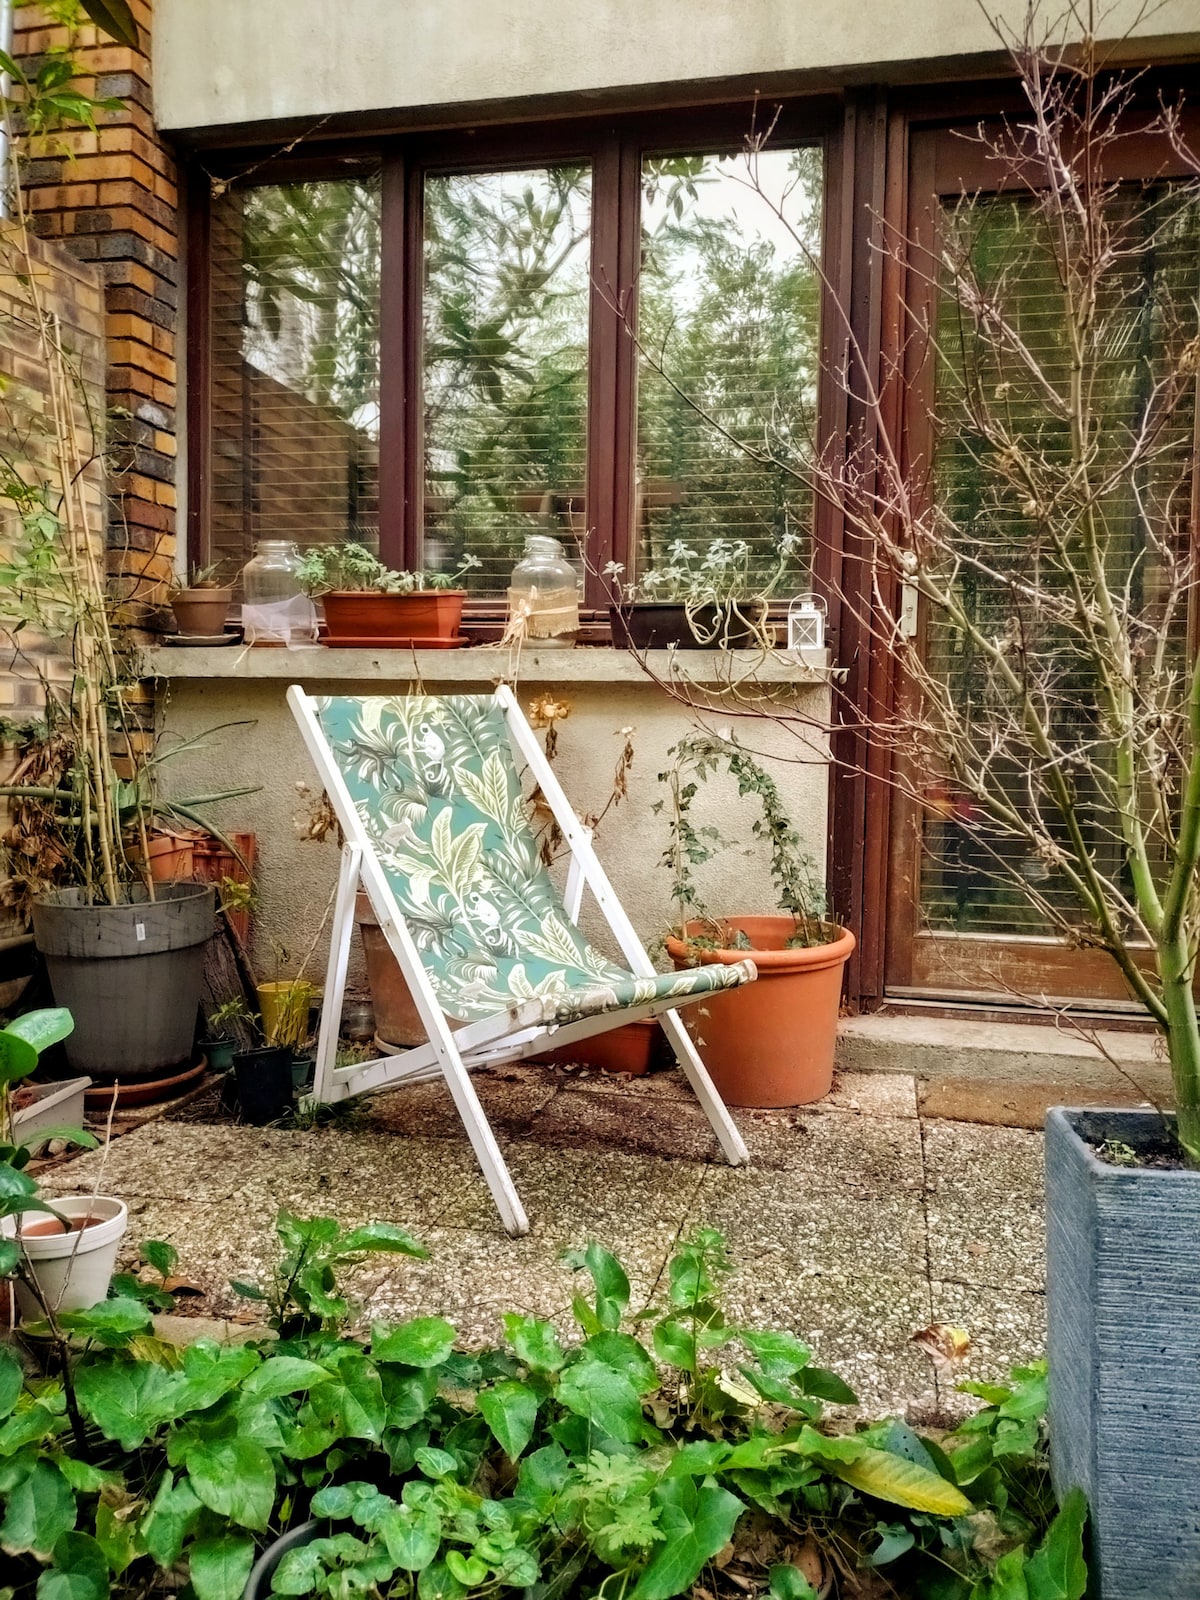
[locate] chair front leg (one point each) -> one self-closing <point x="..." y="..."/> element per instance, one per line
<point x="325" y="1088"/>
<point x="696" y="1072"/>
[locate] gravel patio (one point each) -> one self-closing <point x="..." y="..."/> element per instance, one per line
<point x="858" y="1223"/>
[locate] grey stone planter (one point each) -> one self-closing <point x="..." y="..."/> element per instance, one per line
<point x="1123" y="1293"/>
<point x="130" y="975"/>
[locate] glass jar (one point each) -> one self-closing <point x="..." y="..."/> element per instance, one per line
<point x="275" y="608"/>
<point x="543" y="598"/>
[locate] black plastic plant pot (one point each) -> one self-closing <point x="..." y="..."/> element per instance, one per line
<point x="264" y="1083"/>
<point x="129" y="974"/>
<point x="658" y="627"/>
<point x="1124" y="1347"/>
<point x="258" y="1584"/>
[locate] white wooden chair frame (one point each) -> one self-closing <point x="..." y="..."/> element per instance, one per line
<point x="520" y="1030"/>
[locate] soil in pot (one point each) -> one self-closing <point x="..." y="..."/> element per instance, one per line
<point x="426" y="614"/>
<point x="201" y="613"/>
<point x="264" y="1083"/>
<point x="771" y="1042"/>
<point x="129" y="974"/>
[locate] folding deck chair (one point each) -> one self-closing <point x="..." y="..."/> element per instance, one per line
<point x="427" y="790"/>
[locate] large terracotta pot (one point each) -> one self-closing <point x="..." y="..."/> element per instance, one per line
<point x="771" y="1042"/>
<point x="352" y="616"/>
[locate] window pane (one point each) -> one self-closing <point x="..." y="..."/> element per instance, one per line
<point x="728" y="324"/>
<point x="1146" y="317"/>
<point x="295" y="365"/>
<point x="505" y="365"/>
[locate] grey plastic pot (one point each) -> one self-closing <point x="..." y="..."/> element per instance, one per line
<point x="1124" y="1346"/>
<point x="130" y="975"/>
<point x="258" y="1584"/>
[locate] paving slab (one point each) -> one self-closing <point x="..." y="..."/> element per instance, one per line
<point x="1007" y="1329"/>
<point x="857" y="1223"/>
<point x="985" y="1205"/>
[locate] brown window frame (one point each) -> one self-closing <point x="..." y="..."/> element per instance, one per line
<point x="614" y="147"/>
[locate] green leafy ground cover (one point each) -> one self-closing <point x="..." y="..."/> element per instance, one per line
<point x="661" y="1454"/>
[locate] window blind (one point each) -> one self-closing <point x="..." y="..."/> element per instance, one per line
<point x="506" y="306"/>
<point x="728" y="330"/>
<point x="1146" y="315"/>
<point x="294" y="398"/>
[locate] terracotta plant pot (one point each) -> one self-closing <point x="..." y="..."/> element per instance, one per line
<point x="396" y="1019"/>
<point x="352" y="616"/>
<point x="180" y="855"/>
<point x="201" y="612"/>
<point x="769" y="1043"/>
<point x="629" y="1049"/>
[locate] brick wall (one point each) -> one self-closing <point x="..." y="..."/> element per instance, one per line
<point x="111" y="198"/>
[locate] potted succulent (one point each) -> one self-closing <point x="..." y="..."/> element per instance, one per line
<point x="772" y="1042"/>
<point x="714" y="598"/>
<point x="62" y="1255"/>
<point x="367" y="603"/>
<point x="202" y="603"/>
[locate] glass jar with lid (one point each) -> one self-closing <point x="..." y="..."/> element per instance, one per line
<point x="275" y="608"/>
<point x="543" y="597"/>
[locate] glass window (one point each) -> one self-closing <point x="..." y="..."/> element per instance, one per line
<point x="294" y="399"/>
<point x="728" y="330"/>
<point x="1146" y="318"/>
<point x="506" y="303"/>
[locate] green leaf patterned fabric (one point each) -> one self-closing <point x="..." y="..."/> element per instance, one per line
<point x="436" y="787"/>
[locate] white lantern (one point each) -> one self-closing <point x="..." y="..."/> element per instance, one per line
<point x="806" y="623"/>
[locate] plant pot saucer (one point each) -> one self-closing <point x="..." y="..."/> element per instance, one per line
<point x="145" y="1092"/>
<point x="394" y="643"/>
<point x="200" y="641"/>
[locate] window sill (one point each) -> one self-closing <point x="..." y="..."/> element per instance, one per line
<point x="481" y="665"/>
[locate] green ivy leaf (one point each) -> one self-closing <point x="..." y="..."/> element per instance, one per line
<point x="412" y="1536"/>
<point x="822" y="1384"/>
<point x="125" y="1399"/>
<point x="510" y="1411"/>
<point x="220" y="1566"/>
<point x="385" y="1238"/>
<point x="778" y="1354"/>
<point x="116" y="1534"/>
<point x="468" y="1570"/>
<point x="697" y="1520"/>
<point x="786" y="1582"/>
<point x="80" y="1571"/>
<point x="279" y="1375"/>
<point x="1056" y="1570"/>
<point x="353" y="1402"/>
<point x="422" y="1342"/>
<point x="625" y="1354"/>
<point x="163" y="1257"/>
<point x="172" y="1514"/>
<point x="12" y="1381"/>
<point x="112" y="1323"/>
<point x="605" y="1397"/>
<point x="608" y="1275"/>
<point x="234" y="1477"/>
<point x="39" y="1510"/>
<point x="436" y="1463"/>
<point x="408" y="1395"/>
<point x="437" y="1582"/>
<point x="1008" y="1579"/>
<point x="535" y="1342"/>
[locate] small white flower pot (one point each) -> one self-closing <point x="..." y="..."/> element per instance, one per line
<point x="73" y="1270"/>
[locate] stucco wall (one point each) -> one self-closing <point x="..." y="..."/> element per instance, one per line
<point x="296" y="877"/>
<point x="231" y="61"/>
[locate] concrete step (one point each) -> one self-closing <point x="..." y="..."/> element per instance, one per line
<point x="1007" y="1072"/>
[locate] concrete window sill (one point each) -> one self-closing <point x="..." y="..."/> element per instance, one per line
<point x="482" y="665"/>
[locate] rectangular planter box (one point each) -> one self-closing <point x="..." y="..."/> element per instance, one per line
<point x="1123" y="1307"/>
<point x="56" y="1105"/>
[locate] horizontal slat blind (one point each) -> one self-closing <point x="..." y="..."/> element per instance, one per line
<point x="1146" y="316"/>
<point x="506" y="300"/>
<point x="728" y="325"/>
<point x="295" y="365"/>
